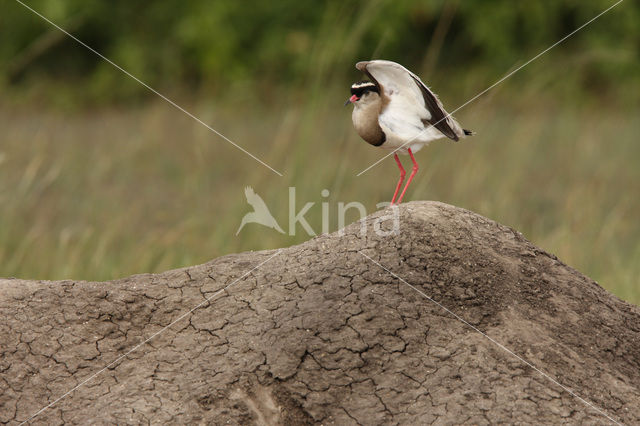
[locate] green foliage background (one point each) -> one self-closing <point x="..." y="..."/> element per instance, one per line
<point x="100" y="178"/>
<point x="215" y="45"/>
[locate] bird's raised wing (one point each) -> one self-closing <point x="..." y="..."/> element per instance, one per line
<point x="408" y="98"/>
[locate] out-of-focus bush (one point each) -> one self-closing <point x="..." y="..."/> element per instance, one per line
<point x="228" y="43"/>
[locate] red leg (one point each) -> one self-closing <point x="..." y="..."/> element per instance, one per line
<point x="413" y="173"/>
<point x="402" y="174"/>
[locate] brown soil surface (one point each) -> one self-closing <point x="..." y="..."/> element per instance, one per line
<point x="321" y="334"/>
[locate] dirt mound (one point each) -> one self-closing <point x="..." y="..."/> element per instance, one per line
<point x="345" y="329"/>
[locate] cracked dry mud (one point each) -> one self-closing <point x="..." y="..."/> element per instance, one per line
<point x="321" y="335"/>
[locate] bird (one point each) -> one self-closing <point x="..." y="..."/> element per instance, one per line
<point x="395" y="110"/>
<point x="260" y="213"/>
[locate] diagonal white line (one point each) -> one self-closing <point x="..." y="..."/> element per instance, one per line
<point x="495" y="84"/>
<point x="500" y="345"/>
<point x="150" y="88"/>
<point x="206" y="300"/>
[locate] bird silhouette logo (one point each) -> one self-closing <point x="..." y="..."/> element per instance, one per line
<point x="260" y="213"/>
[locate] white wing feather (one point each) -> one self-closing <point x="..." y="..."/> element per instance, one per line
<point x="399" y="85"/>
<point x="412" y="106"/>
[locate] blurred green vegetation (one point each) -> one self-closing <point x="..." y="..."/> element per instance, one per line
<point x="263" y="46"/>
<point x="99" y="178"/>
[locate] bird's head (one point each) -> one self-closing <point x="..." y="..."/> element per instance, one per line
<point x="363" y="92"/>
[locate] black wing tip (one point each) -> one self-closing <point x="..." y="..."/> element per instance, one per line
<point x="468" y="132"/>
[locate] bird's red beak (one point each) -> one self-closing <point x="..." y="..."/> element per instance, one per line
<point x="351" y="100"/>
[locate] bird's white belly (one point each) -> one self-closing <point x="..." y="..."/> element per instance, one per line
<point x="414" y="140"/>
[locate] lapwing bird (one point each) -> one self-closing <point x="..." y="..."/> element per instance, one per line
<point x="395" y="110"/>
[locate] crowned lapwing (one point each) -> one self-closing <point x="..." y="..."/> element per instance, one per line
<point x="397" y="111"/>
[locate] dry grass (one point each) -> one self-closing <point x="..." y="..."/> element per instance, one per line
<point x="103" y="194"/>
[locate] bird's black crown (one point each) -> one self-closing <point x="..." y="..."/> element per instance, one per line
<point x="362" y="87"/>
